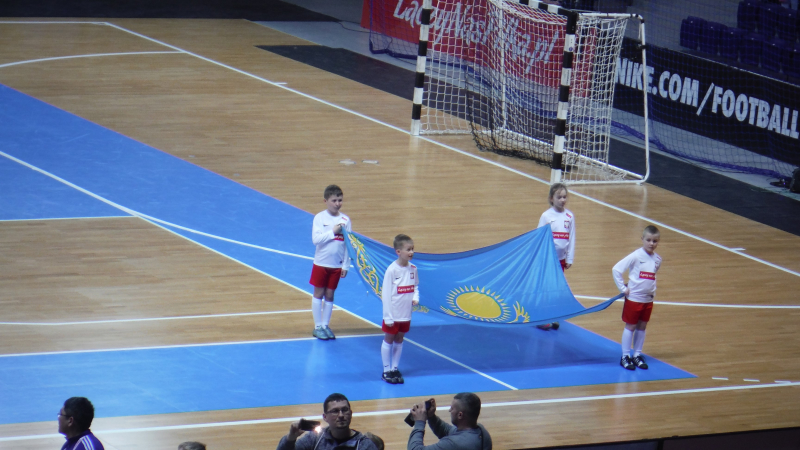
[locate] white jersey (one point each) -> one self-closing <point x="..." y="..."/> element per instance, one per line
<point x="641" y="268"/>
<point x="400" y="288"/>
<point x="562" y="224"/>
<point x="331" y="251"/>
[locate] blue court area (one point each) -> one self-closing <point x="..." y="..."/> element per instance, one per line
<point x="143" y="180"/>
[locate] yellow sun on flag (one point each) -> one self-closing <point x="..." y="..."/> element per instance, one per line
<point x="477" y="303"/>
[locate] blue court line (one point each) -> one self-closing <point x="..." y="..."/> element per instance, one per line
<point x="156" y="184"/>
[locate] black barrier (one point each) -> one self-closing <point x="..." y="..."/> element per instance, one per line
<point x="713" y="100"/>
<point x="775" y="439"/>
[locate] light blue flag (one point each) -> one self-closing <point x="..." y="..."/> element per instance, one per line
<point x="518" y="281"/>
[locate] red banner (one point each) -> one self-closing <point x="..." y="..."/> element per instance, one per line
<point x="533" y="48"/>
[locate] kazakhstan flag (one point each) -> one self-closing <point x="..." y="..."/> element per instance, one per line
<point x="518" y="281"/>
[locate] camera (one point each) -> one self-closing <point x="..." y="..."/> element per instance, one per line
<point x="410" y="419"/>
<point x="308" y="425"/>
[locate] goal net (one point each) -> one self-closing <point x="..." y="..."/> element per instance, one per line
<point x="531" y="81"/>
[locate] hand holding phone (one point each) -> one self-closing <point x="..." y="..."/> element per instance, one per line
<point x="410" y="418"/>
<point x="308" y="425"/>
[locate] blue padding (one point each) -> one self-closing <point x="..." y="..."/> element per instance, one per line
<point x="747" y="15"/>
<point x="752" y="49"/>
<point x="711" y="37"/>
<point x="122" y="383"/>
<point x="768" y="19"/>
<point x="787" y="24"/>
<point x="775" y="54"/>
<point x="731" y="43"/>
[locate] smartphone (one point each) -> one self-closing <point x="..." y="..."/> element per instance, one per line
<point x="410" y="419"/>
<point x="308" y="425"/>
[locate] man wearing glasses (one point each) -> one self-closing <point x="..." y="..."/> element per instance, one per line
<point x="74" y="421"/>
<point x="337" y="413"/>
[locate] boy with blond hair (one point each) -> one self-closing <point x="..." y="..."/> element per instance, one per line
<point x="399" y="293"/>
<point x="639" y="291"/>
<point x="331" y="260"/>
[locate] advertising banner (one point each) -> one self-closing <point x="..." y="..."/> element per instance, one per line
<point x="711" y="99"/>
<point x="530" y="46"/>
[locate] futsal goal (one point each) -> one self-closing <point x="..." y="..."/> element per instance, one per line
<point x="530" y="80"/>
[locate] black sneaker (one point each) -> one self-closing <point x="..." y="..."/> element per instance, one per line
<point x="389" y="377"/>
<point x="398" y="377"/>
<point x="545" y="326"/>
<point x="640" y="362"/>
<point x="627" y="363"/>
<point x="555" y="325"/>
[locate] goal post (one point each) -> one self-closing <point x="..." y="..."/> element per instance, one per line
<point x="529" y="79"/>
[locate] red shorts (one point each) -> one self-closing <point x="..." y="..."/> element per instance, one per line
<point x="325" y="277"/>
<point x="398" y="327"/>
<point x="633" y="312"/>
<point x="563" y="265"/>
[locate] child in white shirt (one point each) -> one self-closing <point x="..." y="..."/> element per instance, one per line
<point x="331" y="260"/>
<point x="562" y="224"/>
<point x="399" y="293"/>
<point x="639" y="291"/>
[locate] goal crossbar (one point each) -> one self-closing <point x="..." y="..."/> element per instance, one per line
<point x="499" y="80"/>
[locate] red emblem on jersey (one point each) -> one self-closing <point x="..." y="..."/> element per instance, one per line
<point x="647" y="276"/>
<point x="567" y="224"/>
<point x="338" y="237"/>
<point x="560" y="235"/>
<point x="412" y="275"/>
<point x="405" y="289"/>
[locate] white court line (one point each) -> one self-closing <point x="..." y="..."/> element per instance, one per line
<point x="705" y="305"/>
<point x="478" y="372"/>
<point x="721" y="378"/>
<point x="663" y="225"/>
<point x="372" y="120"/>
<point x="343" y="309"/>
<point x="164" y="347"/>
<point x="404" y="131"/>
<point x="160" y="224"/>
<point x="100" y="431"/>
<point x="91" y="55"/>
<point x="155" y="319"/>
<point x="466" y="154"/>
<point x="66" y="218"/>
<point x="141" y="215"/>
<point x="43" y="22"/>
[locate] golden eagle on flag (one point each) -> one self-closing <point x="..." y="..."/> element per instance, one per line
<point x="518" y="281"/>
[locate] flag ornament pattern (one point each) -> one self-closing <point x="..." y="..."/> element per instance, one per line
<point x="518" y="281"/>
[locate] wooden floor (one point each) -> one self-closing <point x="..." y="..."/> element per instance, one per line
<point x="214" y="101"/>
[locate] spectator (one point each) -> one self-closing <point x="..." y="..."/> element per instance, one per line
<point x="190" y="445"/>
<point x="464" y="434"/>
<point x="375" y="440"/>
<point x="74" y="421"/>
<point x="338" y="435"/>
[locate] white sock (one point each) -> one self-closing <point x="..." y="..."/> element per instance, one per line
<point x="327" y="308"/>
<point x="397" y="350"/>
<point x="316" y="310"/>
<point x="386" y="356"/>
<point x="627" y="337"/>
<point x="638" y="342"/>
